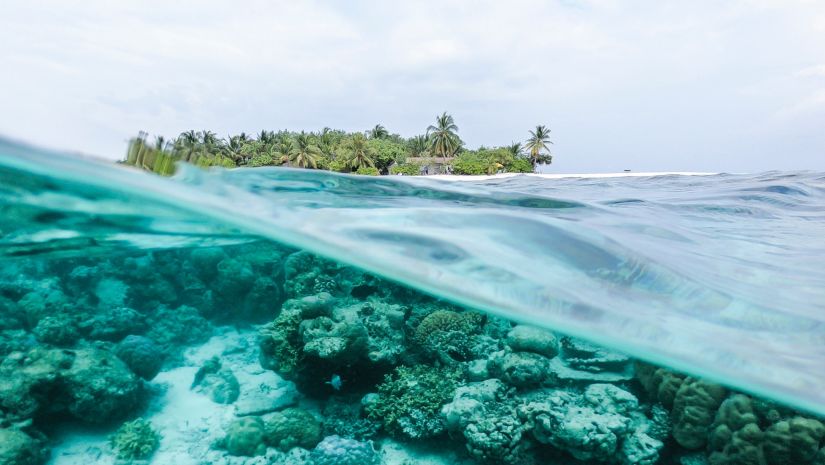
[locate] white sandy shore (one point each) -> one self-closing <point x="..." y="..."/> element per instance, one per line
<point x="455" y="177"/>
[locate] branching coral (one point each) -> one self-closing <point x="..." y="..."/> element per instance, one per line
<point x="135" y="440"/>
<point x="410" y="400"/>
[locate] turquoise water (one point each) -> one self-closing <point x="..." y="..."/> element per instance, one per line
<point x="717" y="276"/>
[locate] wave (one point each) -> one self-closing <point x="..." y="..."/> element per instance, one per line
<point x="717" y="275"/>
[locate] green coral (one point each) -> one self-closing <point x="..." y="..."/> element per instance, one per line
<point x="445" y="335"/>
<point x="135" y="440"/>
<point x="245" y="437"/>
<point x="280" y="342"/>
<point x="694" y="409"/>
<point x="292" y="427"/>
<point x="409" y="401"/>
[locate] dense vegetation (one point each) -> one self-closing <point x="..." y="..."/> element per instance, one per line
<point x="372" y="152"/>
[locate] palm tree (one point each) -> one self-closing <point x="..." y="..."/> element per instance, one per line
<point x="306" y="154"/>
<point x="266" y="137"/>
<point x="378" y="132"/>
<point x="283" y="150"/>
<point x="537" y="146"/>
<point x="419" y="146"/>
<point x="360" y="155"/>
<point x="444" y="141"/>
<point x="326" y="142"/>
<point x="187" y="145"/>
<point x="234" y="148"/>
<point x="515" y="149"/>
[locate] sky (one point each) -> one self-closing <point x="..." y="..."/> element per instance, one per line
<point x="734" y="86"/>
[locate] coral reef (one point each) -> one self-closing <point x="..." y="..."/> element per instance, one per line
<point x="19" y="448"/>
<point x="292" y="427"/>
<point x="409" y="401"/>
<point x="335" y="450"/>
<point x="360" y="359"/>
<point x="90" y="385"/>
<point x="135" y="440"/>
<point x="141" y="355"/>
<point x="245" y="436"/>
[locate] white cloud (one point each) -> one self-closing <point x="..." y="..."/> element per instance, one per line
<point x="620" y="84"/>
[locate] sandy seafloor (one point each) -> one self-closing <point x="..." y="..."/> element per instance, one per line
<point x="190" y="422"/>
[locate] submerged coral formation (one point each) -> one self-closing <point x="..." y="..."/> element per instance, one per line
<point x="135" y="440"/>
<point x="85" y="340"/>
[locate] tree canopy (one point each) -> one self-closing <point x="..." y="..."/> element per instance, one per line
<point x="374" y="151"/>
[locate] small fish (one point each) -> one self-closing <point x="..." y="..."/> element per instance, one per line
<point x="336" y="382"/>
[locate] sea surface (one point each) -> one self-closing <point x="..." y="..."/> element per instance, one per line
<point x="720" y="276"/>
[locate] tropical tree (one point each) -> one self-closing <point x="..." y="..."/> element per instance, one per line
<point x="515" y="149"/>
<point x="306" y="153"/>
<point x="283" y="150"/>
<point x="418" y="146"/>
<point x="537" y="146"/>
<point x="378" y="132"/>
<point x="234" y="148"/>
<point x="360" y="154"/>
<point x="444" y="141"/>
<point x="187" y="145"/>
<point x="266" y="137"/>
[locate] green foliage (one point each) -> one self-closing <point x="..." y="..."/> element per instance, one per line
<point x="407" y="169"/>
<point x="519" y="165"/>
<point x="443" y="136"/>
<point x="386" y="151"/>
<point x="135" y="440"/>
<point x="538" y="147"/>
<point x="367" y="171"/>
<point x="336" y="150"/>
<point x="409" y="401"/>
<point x="359" y="153"/>
<point x="490" y="161"/>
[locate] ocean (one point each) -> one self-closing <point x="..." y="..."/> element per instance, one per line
<point x="275" y="315"/>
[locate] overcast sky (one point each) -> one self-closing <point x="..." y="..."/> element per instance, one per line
<point x="735" y="86"/>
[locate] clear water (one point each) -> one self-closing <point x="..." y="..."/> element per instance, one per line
<point x="716" y="276"/>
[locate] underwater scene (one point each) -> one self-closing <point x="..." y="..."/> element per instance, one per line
<point x="278" y="316"/>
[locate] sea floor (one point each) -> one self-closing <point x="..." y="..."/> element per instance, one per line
<point x="190" y="422"/>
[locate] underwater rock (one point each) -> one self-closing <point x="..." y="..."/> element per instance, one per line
<point x="497" y="438"/>
<point x="358" y="341"/>
<point x="519" y="369"/>
<point x="18" y="448"/>
<point x="292" y="427"/>
<point x="344" y="418"/>
<point x="114" y="324"/>
<point x="582" y="355"/>
<point x="524" y="338"/>
<point x="58" y="330"/>
<point x="10" y="316"/>
<point x="604" y="423"/>
<point x="269" y="397"/>
<point x="469" y="402"/>
<point x="694" y="409"/>
<point x="219" y="383"/>
<point x="42" y="302"/>
<point x="335" y="450"/>
<point x="174" y="327"/>
<point x="135" y="440"/>
<point x="91" y="385"/>
<point x="141" y="355"/>
<point x="245" y="437"/>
